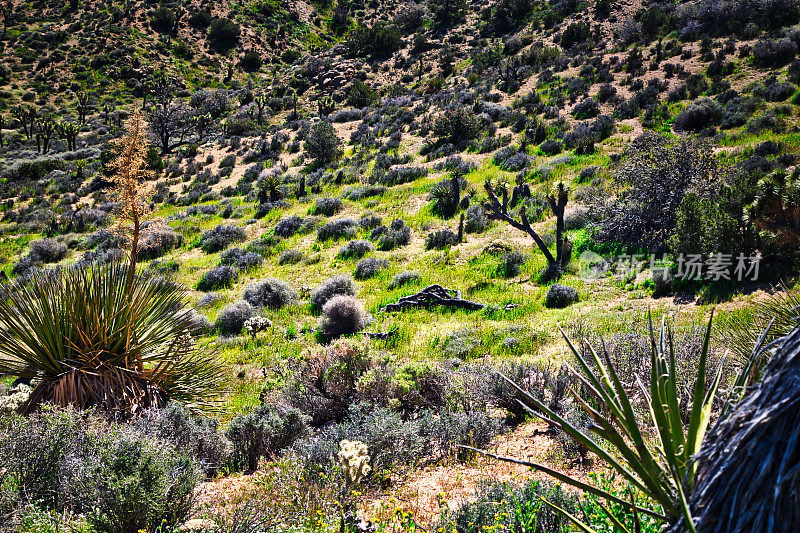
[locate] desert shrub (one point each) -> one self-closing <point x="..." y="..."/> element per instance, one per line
<point x="33" y="450"/>
<point x="47" y="251"/>
<point x="774" y="53"/>
<point x="551" y="147"/>
<point x="559" y="296"/>
<point x="333" y="286"/>
<point x="220" y="237"/>
<point x="199" y="324"/>
<point x="158" y="242"/>
<point x="403" y="278"/>
<point x="290" y="257"/>
<point x="778" y="92"/>
<point x="355" y="249"/>
<point x="270" y="292"/>
<point x="224" y="32"/>
<point x="231" y="319"/>
<point x="263" y="433"/>
<point x="461" y="343"/>
<point x="399" y="175"/>
<point x="323" y="386"/>
<point x="190" y="434"/>
<point x="163" y="19"/>
<point x="370" y="267"/>
<point x="265" y="246"/>
<point x="441" y="239"/>
<point x="221" y="277"/>
<point x="322" y="143"/>
<point x="586" y="109"/>
<point x="475" y="220"/>
<point x="381" y="40"/>
<point x="327" y="206"/>
<point x="655" y="174"/>
<point x="342" y="315"/>
<point x="200" y="19"/>
<point x="361" y="95"/>
<point x="363" y="191"/>
<point x="510" y="263"/>
<point x="290" y="225"/>
<point x="388" y="238"/>
<point x="338" y="229"/>
<point x="457" y="125"/>
<point x="698" y="115"/>
<point x="251" y="61"/>
<point x="132" y="482"/>
<point x="509" y="507"/>
<point x="241" y="259"/>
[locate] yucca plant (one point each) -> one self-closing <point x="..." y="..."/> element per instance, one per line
<point x="653" y="455"/>
<point x="85" y="340"/>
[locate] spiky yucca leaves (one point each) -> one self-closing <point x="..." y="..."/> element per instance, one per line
<point x="654" y="455"/>
<point x="81" y="337"/>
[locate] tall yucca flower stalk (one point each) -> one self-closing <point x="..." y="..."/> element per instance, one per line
<point x="132" y="189"/>
<point x="132" y="186"/>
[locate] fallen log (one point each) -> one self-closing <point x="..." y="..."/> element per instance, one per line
<point x="433" y="295"/>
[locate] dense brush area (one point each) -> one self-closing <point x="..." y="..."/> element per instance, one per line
<point x="360" y="213"/>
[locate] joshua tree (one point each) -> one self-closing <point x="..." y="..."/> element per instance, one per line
<point x="46" y="128"/>
<point x="498" y="209"/>
<point x="261" y="104"/>
<point x="108" y="108"/>
<point x="70" y="132"/>
<point x="83" y="105"/>
<point x="326" y="106"/>
<point x="26" y="115"/>
<point x="6" y="9"/>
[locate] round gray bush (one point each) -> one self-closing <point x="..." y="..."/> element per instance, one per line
<point x="221" y="237"/>
<point x="440" y="239"/>
<point x="221" y="277"/>
<point x="230" y="320"/>
<point x="241" y="259"/>
<point x="356" y="249"/>
<point x="290" y="257"/>
<point x="290" y="225"/>
<point x="475" y="220"/>
<point x="338" y="229"/>
<point x="327" y="206"/>
<point x="47" y="251"/>
<point x="337" y="285"/>
<point x="370" y="267"/>
<point x="158" y="242"/>
<point x="342" y="315"/>
<point x="559" y="296"/>
<point x="270" y="292"/>
<point x="403" y="278"/>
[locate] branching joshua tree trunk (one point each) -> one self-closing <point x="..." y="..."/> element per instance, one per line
<point x="498" y="209"/>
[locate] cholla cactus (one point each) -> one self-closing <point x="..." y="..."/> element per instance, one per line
<point x="256" y="324"/>
<point x="14" y="399"/>
<point x="354" y="459"/>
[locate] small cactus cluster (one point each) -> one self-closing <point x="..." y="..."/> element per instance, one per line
<point x="256" y="324"/>
<point x="354" y="460"/>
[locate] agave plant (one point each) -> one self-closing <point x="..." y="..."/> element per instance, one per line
<point x="84" y="340"/>
<point x="655" y="455"/>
